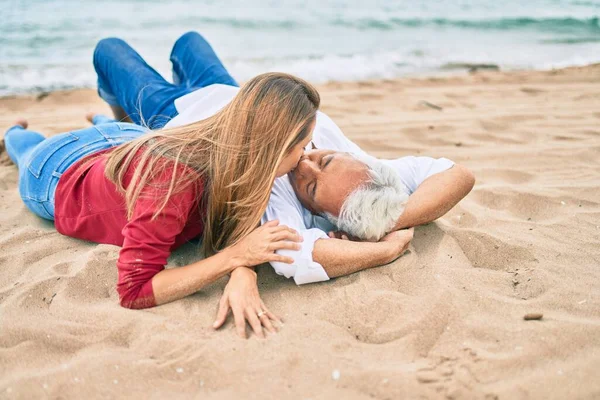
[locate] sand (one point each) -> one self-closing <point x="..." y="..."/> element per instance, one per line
<point x="444" y="321"/>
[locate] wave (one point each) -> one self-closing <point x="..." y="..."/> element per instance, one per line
<point x="557" y="25"/>
<point x="586" y="26"/>
<point x="590" y="25"/>
<point x="572" y="40"/>
<point x="567" y="25"/>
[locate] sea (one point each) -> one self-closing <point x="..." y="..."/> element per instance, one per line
<point x="48" y="44"/>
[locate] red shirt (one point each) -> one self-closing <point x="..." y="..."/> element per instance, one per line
<point x="89" y="206"/>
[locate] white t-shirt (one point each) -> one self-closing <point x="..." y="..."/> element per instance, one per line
<point x="283" y="204"/>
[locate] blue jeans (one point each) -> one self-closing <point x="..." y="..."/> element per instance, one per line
<point x="42" y="161"/>
<point x="126" y="80"/>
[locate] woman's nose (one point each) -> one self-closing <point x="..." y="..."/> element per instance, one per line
<point x="312" y="155"/>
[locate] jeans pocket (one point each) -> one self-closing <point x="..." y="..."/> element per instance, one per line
<point x="42" y="153"/>
<point x="120" y="132"/>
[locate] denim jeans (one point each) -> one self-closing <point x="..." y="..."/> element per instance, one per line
<point x="126" y="80"/>
<point x="42" y="161"/>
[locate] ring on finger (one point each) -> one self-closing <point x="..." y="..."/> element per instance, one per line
<point x="261" y="313"/>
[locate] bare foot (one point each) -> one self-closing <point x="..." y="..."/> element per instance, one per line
<point x="90" y="117"/>
<point x="22" y="122"/>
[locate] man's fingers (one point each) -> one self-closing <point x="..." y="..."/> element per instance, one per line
<point x="254" y="322"/>
<point x="221" y="314"/>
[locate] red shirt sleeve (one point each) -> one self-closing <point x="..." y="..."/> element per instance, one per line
<point x="148" y="243"/>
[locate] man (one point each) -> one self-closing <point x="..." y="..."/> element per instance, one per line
<point x="337" y="186"/>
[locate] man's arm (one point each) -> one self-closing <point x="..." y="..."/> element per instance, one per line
<point x="319" y="260"/>
<point x="343" y="257"/>
<point x="436" y="196"/>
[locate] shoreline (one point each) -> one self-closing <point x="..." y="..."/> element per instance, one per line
<point x="453" y="70"/>
<point x="89" y="100"/>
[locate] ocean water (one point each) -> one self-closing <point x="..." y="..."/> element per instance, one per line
<point x="48" y="44"/>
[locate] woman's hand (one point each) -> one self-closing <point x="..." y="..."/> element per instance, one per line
<point x="260" y="245"/>
<point x="241" y="295"/>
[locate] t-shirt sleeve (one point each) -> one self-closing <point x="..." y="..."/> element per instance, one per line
<point x="413" y="171"/>
<point x="332" y="137"/>
<point x="284" y="207"/>
<point x="148" y="243"/>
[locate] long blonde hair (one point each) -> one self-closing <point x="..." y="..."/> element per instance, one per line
<point x="236" y="153"/>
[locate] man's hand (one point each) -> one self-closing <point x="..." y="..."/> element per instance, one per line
<point x="242" y="297"/>
<point x="343" y="236"/>
<point x="398" y="241"/>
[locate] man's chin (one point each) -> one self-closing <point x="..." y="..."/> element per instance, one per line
<point x="294" y="184"/>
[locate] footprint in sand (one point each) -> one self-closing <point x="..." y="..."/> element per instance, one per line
<point x="524" y="206"/>
<point x="427" y="314"/>
<point x="486" y="251"/>
<point x="496" y="175"/>
<point x="4" y="159"/>
<point x="533" y="91"/>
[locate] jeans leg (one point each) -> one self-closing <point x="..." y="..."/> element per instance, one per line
<point x="126" y="80"/>
<point x="195" y="63"/>
<point x="20" y="142"/>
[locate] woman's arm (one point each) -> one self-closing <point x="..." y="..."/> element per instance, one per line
<point x="175" y="283"/>
<point x="256" y="248"/>
<point x="436" y="196"/>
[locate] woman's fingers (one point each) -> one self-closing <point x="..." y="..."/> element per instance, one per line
<point x="284" y="245"/>
<point x="279" y="258"/>
<point x="222" y="313"/>
<point x="272" y="316"/>
<point x="272" y="223"/>
<point x="285" y="234"/>
<point x="240" y="322"/>
<point x="266" y="322"/>
<point x="254" y="322"/>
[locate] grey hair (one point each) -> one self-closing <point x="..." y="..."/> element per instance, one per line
<point x="372" y="210"/>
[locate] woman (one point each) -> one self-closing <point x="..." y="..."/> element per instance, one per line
<point x="151" y="191"/>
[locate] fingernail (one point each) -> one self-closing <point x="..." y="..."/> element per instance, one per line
<point x="216" y="324"/>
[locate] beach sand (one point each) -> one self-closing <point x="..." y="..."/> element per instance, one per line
<point x="443" y="321"/>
